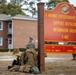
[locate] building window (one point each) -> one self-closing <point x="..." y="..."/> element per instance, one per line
<point x="10" y="25"/>
<point x="1" y="41"/>
<point x="1" y="25"/>
<point x="0" y="3"/>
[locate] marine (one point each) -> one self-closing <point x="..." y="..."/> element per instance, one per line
<point x="26" y="60"/>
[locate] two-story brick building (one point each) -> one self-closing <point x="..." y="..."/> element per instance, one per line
<point x="15" y="31"/>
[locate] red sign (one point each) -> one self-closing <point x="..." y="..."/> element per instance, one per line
<point x="60" y="23"/>
<point x="60" y="49"/>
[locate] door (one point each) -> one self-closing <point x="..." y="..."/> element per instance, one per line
<point x="9" y="43"/>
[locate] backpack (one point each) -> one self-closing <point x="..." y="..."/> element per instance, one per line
<point x="35" y="69"/>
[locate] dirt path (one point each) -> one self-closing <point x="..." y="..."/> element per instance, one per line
<point x="55" y="64"/>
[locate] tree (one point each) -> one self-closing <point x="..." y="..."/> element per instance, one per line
<point x="15" y="7"/>
<point x="52" y="3"/>
<point x="17" y="2"/>
<point x="3" y="2"/>
<point x="31" y="6"/>
<point x="12" y="8"/>
<point x="3" y="7"/>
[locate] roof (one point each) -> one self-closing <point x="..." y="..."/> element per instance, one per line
<point x="19" y="16"/>
<point x="5" y="17"/>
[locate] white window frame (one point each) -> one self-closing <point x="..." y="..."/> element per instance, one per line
<point x="1" y="26"/>
<point x="9" y="24"/>
<point x="1" y="41"/>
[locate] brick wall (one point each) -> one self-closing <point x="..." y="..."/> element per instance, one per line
<point x="22" y="30"/>
<point x="4" y="34"/>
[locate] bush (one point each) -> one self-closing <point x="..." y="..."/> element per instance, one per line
<point x="4" y="50"/>
<point x="22" y="49"/>
<point x="11" y="50"/>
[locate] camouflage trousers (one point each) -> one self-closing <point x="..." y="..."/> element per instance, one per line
<point x="23" y="68"/>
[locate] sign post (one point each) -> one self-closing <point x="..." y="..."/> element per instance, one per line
<point x="57" y="25"/>
<point x="41" y="60"/>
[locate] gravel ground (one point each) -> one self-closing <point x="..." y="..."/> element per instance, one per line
<point x="55" y="64"/>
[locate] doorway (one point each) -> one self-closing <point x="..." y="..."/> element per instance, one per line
<point x="9" y="43"/>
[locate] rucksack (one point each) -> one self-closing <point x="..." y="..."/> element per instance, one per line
<point x="35" y="70"/>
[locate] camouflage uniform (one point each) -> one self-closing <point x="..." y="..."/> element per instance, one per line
<point x="30" y="43"/>
<point x="28" y="59"/>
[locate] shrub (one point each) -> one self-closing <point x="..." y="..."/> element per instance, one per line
<point x="11" y="50"/>
<point x="22" y="49"/>
<point x="4" y="50"/>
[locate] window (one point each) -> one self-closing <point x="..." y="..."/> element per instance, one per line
<point x="10" y="41"/>
<point x="1" y="41"/>
<point x="0" y="3"/>
<point x="10" y="25"/>
<point x="1" y="25"/>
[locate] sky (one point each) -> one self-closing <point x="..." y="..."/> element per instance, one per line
<point x="71" y="1"/>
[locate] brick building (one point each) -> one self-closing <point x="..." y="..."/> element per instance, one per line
<point x="15" y="31"/>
